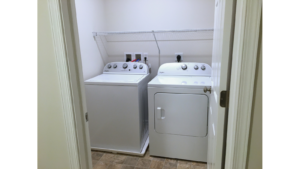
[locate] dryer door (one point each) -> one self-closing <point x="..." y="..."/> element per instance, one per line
<point x="181" y="114"/>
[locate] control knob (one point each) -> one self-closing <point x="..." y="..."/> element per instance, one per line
<point x="125" y="65"/>
<point x="115" y="66"/>
<point x="134" y="66"/>
<point x="184" y="67"/>
<point x="109" y="66"/>
<point x="141" y="66"/>
<point x="203" y="67"/>
<point x="196" y="67"/>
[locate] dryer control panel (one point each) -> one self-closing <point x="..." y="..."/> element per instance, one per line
<point x="125" y="68"/>
<point x="184" y="68"/>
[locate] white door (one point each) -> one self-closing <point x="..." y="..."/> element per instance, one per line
<point x="222" y="45"/>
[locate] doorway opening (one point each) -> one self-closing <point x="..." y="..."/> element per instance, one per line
<point x="110" y="56"/>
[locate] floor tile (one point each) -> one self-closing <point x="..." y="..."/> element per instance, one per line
<point x="183" y="165"/>
<point x="157" y="164"/>
<point x="119" y="159"/>
<point x="95" y="159"/>
<point x="170" y="160"/>
<point x="198" y="164"/>
<point x="94" y="162"/>
<point x="96" y="155"/>
<point x="108" y="158"/>
<point x="104" y="160"/>
<point x="127" y="167"/>
<point x="147" y="155"/>
<point x="170" y="165"/>
<point x="115" y="166"/>
<point x="143" y="163"/>
<point x="140" y="168"/>
<point x="101" y="165"/>
<point x="157" y="158"/>
<point x="197" y="167"/>
<point x="131" y="161"/>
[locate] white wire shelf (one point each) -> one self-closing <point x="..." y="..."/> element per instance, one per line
<point x="154" y="31"/>
<point x="161" y="35"/>
<point x="108" y="42"/>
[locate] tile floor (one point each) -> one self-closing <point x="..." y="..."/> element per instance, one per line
<point x="105" y="160"/>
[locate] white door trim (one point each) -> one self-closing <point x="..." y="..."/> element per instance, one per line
<point x="64" y="81"/>
<point x="245" y="50"/>
<point x="66" y="44"/>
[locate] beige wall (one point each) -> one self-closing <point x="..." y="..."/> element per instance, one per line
<point x="254" y="159"/>
<point x="90" y="18"/>
<point x="52" y="143"/>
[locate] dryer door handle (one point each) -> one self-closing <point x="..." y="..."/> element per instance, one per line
<point x="159" y="113"/>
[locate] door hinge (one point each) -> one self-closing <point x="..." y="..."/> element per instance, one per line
<point x="86" y="116"/>
<point x="207" y="89"/>
<point x="224" y="98"/>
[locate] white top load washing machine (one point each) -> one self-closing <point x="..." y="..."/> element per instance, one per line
<point x="118" y="108"/>
<point x="178" y="111"/>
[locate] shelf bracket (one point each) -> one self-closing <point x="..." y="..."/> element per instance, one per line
<point x="157" y="48"/>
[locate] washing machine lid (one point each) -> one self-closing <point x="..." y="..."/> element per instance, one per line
<point x="180" y="81"/>
<point x="116" y="79"/>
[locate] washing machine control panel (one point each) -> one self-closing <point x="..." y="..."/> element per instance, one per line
<point x="126" y="68"/>
<point x="185" y="68"/>
<point x="125" y="65"/>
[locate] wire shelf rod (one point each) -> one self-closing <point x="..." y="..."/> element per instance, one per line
<point x="150" y="32"/>
<point x="157" y="48"/>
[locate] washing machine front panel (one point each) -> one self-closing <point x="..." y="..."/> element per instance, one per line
<point x="181" y="114"/>
<point x="118" y="111"/>
<point x="112" y="123"/>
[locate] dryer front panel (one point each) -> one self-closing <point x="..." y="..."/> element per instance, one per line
<point x="181" y="114"/>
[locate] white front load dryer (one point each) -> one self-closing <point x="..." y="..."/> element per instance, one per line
<point x="118" y="108"/>
<point x="178" y="103"/>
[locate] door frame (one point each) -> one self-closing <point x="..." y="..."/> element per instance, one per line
<point x="69" y="66"/>
<point x="69" y="69"/>
<point x="244" y="56"/>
